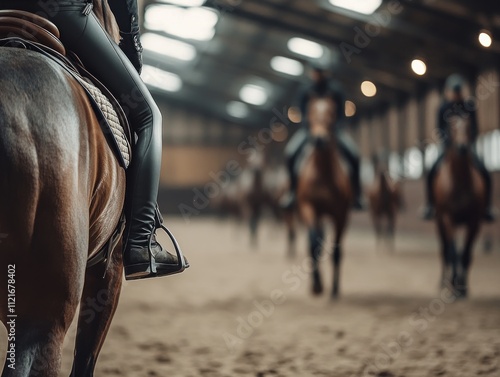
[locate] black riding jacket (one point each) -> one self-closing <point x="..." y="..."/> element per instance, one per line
<point x="126" y="14"/>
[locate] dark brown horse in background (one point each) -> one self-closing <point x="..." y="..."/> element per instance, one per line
<point x="384" y="197"/>
<point x="253" y="195"/>
<point x="259" y="193"/>
<point x="61" y="197"/>
<point x="324" y="189"/>
<point x="460" y="196"/>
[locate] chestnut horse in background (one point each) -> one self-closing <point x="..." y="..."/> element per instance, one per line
<point x="384" y="197"/>
<point x="460" y="200"/>
<point x="324" y="189"/>
<point x="61" y="196"/>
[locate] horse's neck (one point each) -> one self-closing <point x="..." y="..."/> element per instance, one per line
<point x="460" y="166"/>
<point x="327" y="159"/>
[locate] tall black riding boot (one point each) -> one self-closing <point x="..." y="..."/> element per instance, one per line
<point x="292" y="152"/>
<point x="356" y="183"/>
<point x="288" y="200"/>
<point x="428" y="211"/>
<point x="143" y="255"/>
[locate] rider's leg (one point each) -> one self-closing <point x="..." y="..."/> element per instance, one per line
<point x="489" y="215"/>
<point x="292" y="151"/>
<point x="143" y="175"/>
<point x="350" y="151"/>
<point x="85" y="36"/>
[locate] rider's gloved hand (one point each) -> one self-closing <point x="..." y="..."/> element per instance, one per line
<point x="131" y="44"/>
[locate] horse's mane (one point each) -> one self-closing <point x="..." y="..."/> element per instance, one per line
<point x="107" y="19"/>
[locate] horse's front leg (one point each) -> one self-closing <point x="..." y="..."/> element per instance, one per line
<point x="337" y="256"/>
<point x="316" y="236"/>
<point x="292" y="252"/>
<point x="97" y="307"/>
<point x="461" y="284"/>
<point x="451" y="253"/>
<point x="445" y="241"/>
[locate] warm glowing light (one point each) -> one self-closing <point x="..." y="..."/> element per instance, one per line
<point x="280" y="132"/>
<point x="418" y="67"/>
<point x="368" y="88"/>
<point x="168" y="47"/>
<point x="359" y="6"/>
<point x="485" y="39"/>
<point x="294" y="114"/>
<point x="350" y="109"/>
<point x="286" y="65"/>
<point x="161" y="79"/>
<point x="306" y="47"/>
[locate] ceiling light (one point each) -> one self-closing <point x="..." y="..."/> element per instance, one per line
<point x="168" y="47"/>
<point x="485" y="39"/>
<point x="350" y="108"/>
<point x="185" y="3"/>
<point x="359" y="6"/>
<point x="253" y="94"/>
<point x="237" y="109"/>
<point x="306" y="47"/>
<point x="418" y="67"/>
<point x="161" y="79"/>
<point x="188" y="23"/>
<point x="288" y="66"/>
<point x="368" y="88"/>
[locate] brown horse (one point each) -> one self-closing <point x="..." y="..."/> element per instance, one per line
<point x="324" y="189"/>
<point x="62" y="193"/>
<point x="460" y="197"/>
<point x="256" y="194"/>
<point x="384" y="197"/>
<point x="252" y="181"/>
